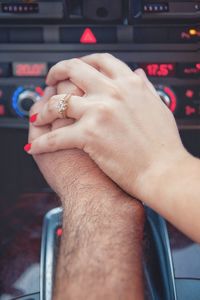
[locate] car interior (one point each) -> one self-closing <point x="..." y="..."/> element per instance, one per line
<point x="160" y="36"/>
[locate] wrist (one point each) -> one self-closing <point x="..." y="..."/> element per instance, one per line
<point x="102" y="205"/>
<point x="96" y="212"/>
<point x="163" y="177"/>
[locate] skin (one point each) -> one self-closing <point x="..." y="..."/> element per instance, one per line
<point x="101" y="248"/>
<point x="123" y="125"/>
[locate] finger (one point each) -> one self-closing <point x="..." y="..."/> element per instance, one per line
<point x="67" y="87"/>
<point x="76" y="107"/>
<point x="35" y="132"/>
<point x="59" y="123"/>
<point x="59" y="139"/>
<point x="78" y="72"/>
<point x="108" y="65"/>
<point x="142" y="74"/>
<point x="48" y="93"/>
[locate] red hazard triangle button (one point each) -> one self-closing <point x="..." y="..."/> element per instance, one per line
<point x="88" y="37"/>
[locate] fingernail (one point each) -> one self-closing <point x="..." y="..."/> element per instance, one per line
<point x="27" y="147"/>
<point x="33" y="118"/>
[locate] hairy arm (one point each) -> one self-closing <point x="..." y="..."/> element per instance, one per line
<point x="101" y="248"/>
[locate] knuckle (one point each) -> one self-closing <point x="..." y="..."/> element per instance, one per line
<point x="101" y="56"/>
<point x="76" y="91"/>
<point x="59" y="63"/>
<point x="68" y="87"/>
<point x="58" y="66"/>
<point x="104" y="110"/>
<point x="51" y="138"/>
<point x="129" y="80"/>
<point x="50" y="105"/>
<point x="71" y="65"/>
<point x="90" y="130"/>
<point x="106" y="55"/>
<point x="114" y="91"/>
<point x="95" y="55"/>
<point x="74" y="62"/>
<point x="139" y="81"/>
<point x="140" y="71"/>
<point x="136" y="81"/>
<point x="53" y="99"/>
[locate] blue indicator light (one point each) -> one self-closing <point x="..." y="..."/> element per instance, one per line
<point x="15" y="96"/>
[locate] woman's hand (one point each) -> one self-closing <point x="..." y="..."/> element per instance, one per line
<point x="120" y="121"/>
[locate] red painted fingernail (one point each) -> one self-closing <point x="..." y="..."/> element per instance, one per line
<point x="27" y="147"/>
<point x="33" y="118"/>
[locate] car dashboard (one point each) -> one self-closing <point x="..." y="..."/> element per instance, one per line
<point x="163" y="38"/>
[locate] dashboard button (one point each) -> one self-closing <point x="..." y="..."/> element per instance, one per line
<point x="190" y="110"/>
<point x="5" y="70"/>
<point x="190" y="94"/>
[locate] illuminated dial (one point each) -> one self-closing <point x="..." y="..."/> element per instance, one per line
<point x="23" y="99"/>
<point x="168" y="97"/>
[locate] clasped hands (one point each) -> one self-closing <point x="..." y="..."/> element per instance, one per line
<point x="114" y="115"/>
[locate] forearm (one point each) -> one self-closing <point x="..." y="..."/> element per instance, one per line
<point x="101" y="248"/>
<point x="175" y="194"/>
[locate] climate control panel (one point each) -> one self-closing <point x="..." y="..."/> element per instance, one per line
<point x="177" y="83"/>
<point x="183" y="101"/>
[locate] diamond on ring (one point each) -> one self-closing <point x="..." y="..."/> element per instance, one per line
<point x="63" y="105"/>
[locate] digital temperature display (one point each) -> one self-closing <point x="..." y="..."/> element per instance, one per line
<point x="29" y="69"/>
<point x="159" y="69"/>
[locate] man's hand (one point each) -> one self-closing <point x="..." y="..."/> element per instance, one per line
<point x="101" y="247"/>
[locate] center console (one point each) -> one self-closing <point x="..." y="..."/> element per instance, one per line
<point x="160" y="36"/>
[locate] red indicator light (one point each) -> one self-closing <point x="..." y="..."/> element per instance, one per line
<point x="88" y="37"/>
<point x="2" y="110"/>
<point x="59" y="232"/>
<point x="39" y="90"/>
<point x="198" y="66"/>
<point x="189" y="94"/>
<point x="189" y="110"/>
<point x="159" y="70"/>
<point x="29" y="69"/>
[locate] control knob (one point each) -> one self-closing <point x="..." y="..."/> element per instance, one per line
<point x="24" y="98"/>
<point x="168" y="97"/>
